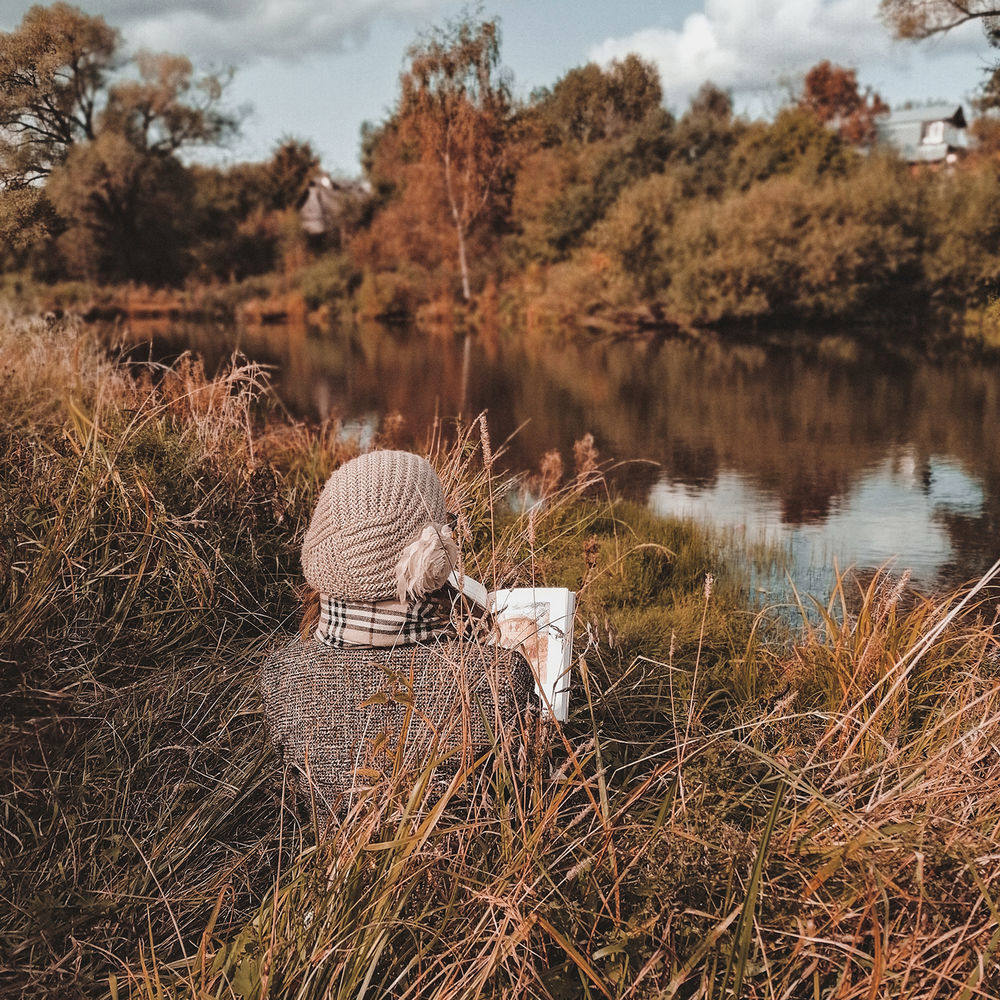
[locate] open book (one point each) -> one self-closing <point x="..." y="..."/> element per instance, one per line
<point x="538" y="621"/>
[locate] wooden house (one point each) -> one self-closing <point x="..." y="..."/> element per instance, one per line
<point x="328" y="204"/>
<point x="934" y="134"/>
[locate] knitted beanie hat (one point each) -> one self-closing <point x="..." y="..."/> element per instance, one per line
<point x="379" y="530"/>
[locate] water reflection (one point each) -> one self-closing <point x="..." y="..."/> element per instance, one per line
<point x="837" y="453"/>
<point x="894" y="514"/>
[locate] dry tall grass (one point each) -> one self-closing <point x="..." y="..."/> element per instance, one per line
<point x="732" y="810"/>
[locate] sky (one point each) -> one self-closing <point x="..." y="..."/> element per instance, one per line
<point x="316" y="69"/>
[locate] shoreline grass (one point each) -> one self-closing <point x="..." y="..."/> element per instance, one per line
<point x="969" y="333"/>
<point x="733" y="809"/>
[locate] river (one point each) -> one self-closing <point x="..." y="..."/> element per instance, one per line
<point x="839" y="455"/>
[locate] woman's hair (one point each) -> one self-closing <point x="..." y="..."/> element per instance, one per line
<point x="310" y="611"/>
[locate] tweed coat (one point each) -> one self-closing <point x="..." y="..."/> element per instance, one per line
<point x="346" y="717"/>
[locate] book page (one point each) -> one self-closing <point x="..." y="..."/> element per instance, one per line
<point x="472" y="589"/>
<point x="539" y="622"/>
<point x="527" y="634"/>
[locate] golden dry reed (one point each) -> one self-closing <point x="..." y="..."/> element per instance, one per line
<point x="736" y="807"/>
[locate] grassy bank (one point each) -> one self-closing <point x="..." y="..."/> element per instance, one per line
<point x="731" y="810"/>
<point x="529" y="310"/>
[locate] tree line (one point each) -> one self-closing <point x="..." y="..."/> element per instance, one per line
<point x="590" y="201"/>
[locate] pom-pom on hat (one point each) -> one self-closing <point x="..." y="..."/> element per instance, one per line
<point x="379" y="530"/>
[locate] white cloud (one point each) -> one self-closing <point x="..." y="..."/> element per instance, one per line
<point x="234" y="31"/>
<point x="754" y="46"/>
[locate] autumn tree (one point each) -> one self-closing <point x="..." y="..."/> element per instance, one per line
<point x="54" y="71"/>
<point x="242" y="211"/>
<point x="126" y="213"/>
<point x="455" y="113"/>
<point x="593" y="133"/>
<point x="25" y="222"/>
<point x="562" y="191"/>
<point x="590" y="103"/>
<point x="703" y="141"/>
<point x="287" y="174"/>
<point x="923" y="18"/>
<point x="168" y="108"/>
<point x="60" y="86"/>
<point x="832" y="94"/>
<point x="78" y="132"/>
<point x="985" y="127"/>
<point x="794" y="143"/>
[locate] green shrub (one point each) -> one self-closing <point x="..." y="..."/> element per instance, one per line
<point x="796" y="142"/>
<point x="636" y="233"/>
<point x="787" y="248"/>
<point x="962" y="256"/>
<point x="331" y="279"/>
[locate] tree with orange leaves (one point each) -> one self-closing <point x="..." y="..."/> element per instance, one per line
<point x="455" y="112"/>
<point x="832" y="94"/>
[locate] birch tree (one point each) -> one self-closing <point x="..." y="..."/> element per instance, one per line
<point x="455" y="111"/>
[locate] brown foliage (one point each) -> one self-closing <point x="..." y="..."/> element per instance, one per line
<point x="454" y="114"/>
<point x="986" y="131"/>
<point x="923" y="18"/>
<point x="832" y="94"/>
<point x="410" y="227"/>
<point x="53" y="68"/>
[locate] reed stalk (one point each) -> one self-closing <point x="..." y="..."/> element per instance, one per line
<point x="833" y="833"/>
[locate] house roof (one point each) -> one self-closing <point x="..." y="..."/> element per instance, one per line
<point x="929" y="113"/>
<point x="325" y="200"/>
<point x="910" y="131"/>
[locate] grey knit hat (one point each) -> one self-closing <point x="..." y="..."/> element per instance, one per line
<point x="379" y="530"/>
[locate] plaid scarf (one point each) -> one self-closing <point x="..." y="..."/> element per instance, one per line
<point x="382" y="623"/>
